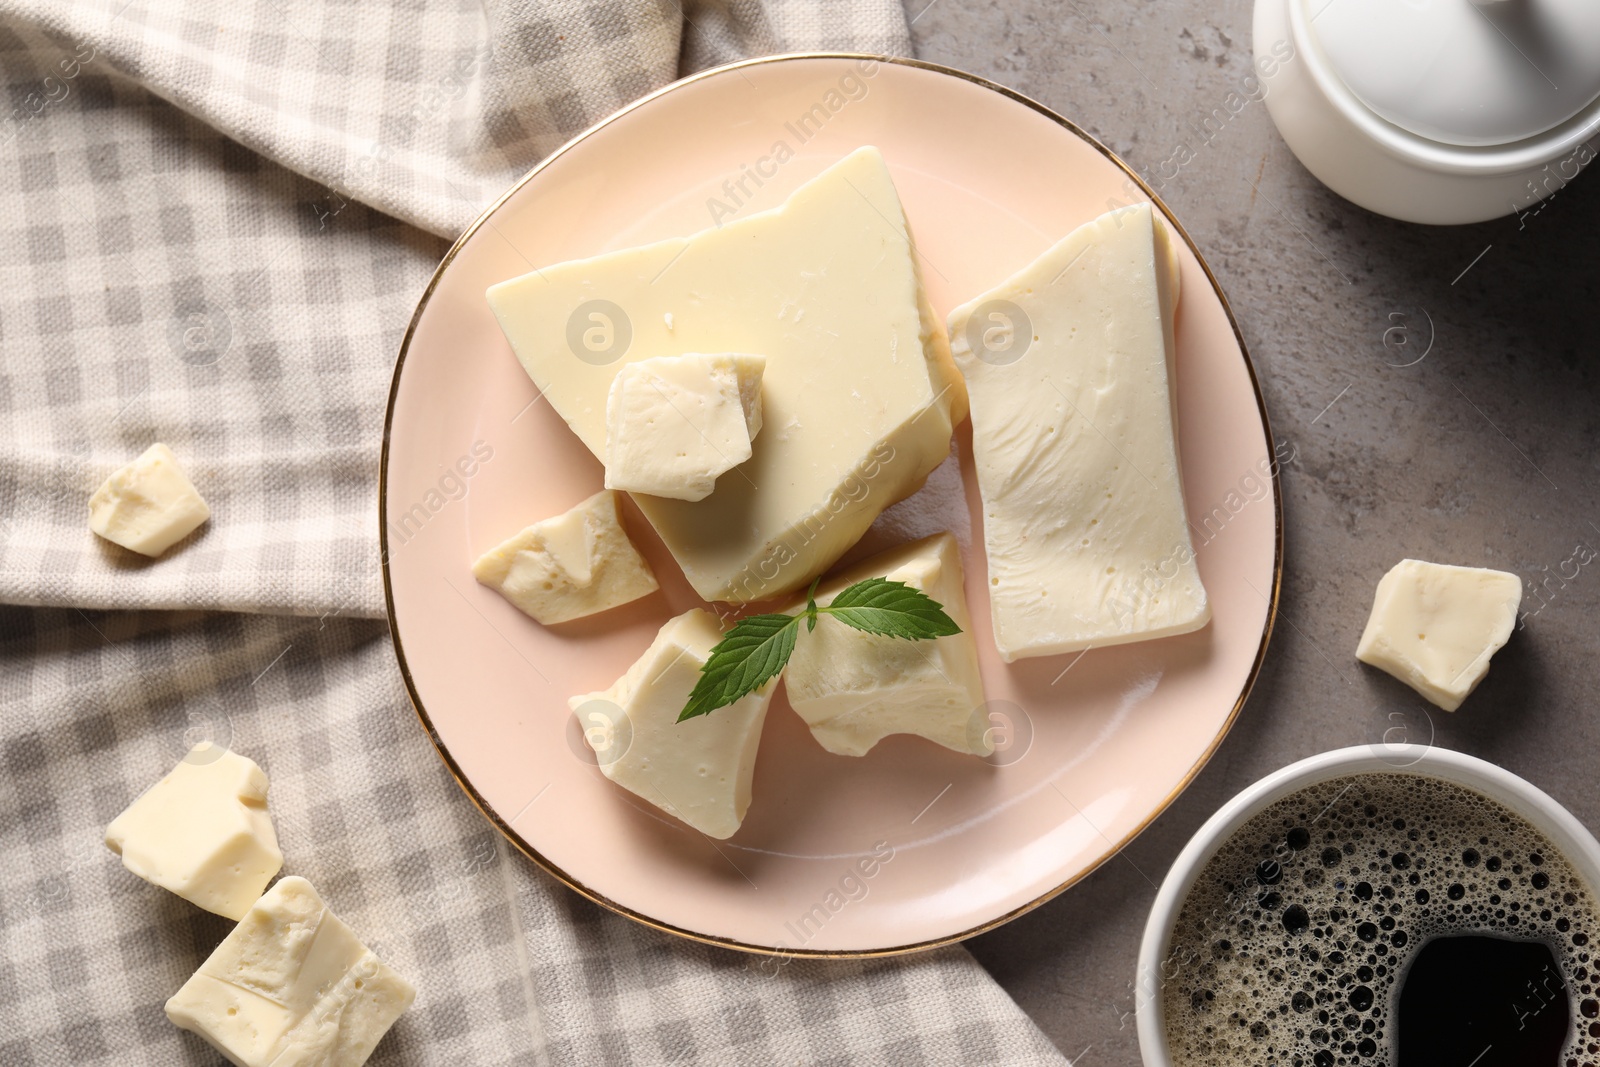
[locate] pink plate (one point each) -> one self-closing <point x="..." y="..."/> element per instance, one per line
<point x="912" y="845"/>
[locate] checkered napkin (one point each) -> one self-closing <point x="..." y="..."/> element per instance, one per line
<point x="510" y="967"/>
<point x="217" y="218"/>
<point x="200" y="246"/>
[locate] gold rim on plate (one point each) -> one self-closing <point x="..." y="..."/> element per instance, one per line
<point x="723" y="942"/>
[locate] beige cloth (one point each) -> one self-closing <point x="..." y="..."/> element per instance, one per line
<point x="218" y="218"/>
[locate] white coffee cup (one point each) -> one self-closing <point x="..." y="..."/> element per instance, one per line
<point x="1575" y="843"/>
<point x="1435" y="111"/>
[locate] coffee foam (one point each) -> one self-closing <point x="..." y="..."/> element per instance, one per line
<point x="1292" y="945"/>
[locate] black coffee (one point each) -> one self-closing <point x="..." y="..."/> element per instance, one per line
<point x="1385" y="919"/>
<point x="1485" y="1001"/>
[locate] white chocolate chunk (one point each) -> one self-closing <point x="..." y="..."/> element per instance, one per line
<point x="575" y="564"/>
<point x="698" y="770"/>
<point x="1435" y="626"/>
<point x="1069" y="364"/>
<point x="292" y="986"/>
<point x="149" y="505"/>
<point x="203" y="832"/>
<point x="854" y="689"/>
<point x="858" y="380"/>
<point x="675" y="424"/>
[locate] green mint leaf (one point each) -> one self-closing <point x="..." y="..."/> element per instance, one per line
<point x="747" y="657"/>
<point x="892" y="609"/>
<point x="757" y="648"/>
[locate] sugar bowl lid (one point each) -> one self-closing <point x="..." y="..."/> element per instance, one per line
<point x="1464" y="72"/>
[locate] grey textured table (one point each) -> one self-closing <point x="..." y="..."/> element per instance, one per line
<point x="1483" y="453"/>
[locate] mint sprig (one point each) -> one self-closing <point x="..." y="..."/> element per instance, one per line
<point x="757" y="648"/>
<point x="746" y="658"/>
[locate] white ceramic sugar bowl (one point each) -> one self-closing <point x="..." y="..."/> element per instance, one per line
<point x="1436" y="111"/>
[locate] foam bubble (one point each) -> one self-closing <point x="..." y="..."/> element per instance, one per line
<point x="1291" y="946"/>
